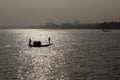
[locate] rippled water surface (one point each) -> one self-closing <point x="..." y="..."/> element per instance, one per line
<point x="74" y="55"/>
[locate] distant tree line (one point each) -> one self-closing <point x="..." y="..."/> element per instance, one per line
<point x="104" y="25"/>
<point x="109" y="25"/>
<point x="75" y="25"/>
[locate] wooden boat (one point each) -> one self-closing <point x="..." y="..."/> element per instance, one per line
<point x="106" y="30"/>
<point x="38" y="44"/>
<point x="43" y="45"/>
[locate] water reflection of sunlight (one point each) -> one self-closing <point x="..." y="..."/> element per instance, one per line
<point x="29" y="30"/>
<point x="38" y="63"/>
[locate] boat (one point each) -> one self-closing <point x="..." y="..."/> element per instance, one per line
<point x="42" y="45"/>
<point x="106" y="30"/>
<point x="38" y="43"/>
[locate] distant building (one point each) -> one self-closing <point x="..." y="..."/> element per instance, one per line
<point x="50" y="24"/>
<point x="76" y="22"/>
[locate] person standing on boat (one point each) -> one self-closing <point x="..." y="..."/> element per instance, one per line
<point x="49" y="39"/>
<point x="29" y="41"/>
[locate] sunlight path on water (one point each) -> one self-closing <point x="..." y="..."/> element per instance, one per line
<point x="38" y="63"/>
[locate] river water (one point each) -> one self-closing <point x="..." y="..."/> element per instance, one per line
<point x="74" y="55"/>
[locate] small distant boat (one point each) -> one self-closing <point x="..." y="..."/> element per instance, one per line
<point x="38" y="43"/>
<point x="106" y="30"/>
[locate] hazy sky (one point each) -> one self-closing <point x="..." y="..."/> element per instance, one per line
<point x="36" y="12"/>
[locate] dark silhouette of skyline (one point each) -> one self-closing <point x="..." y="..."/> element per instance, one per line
<point x="68" y="25"/>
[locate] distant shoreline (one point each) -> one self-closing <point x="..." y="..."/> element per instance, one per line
<point x="105" y="25"/>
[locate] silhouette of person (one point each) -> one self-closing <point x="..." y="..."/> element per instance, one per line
<point x="29" y="41"/>
<point x="49" y="39"/>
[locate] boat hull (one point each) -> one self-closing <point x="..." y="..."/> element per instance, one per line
<point x="45" y="45"/>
